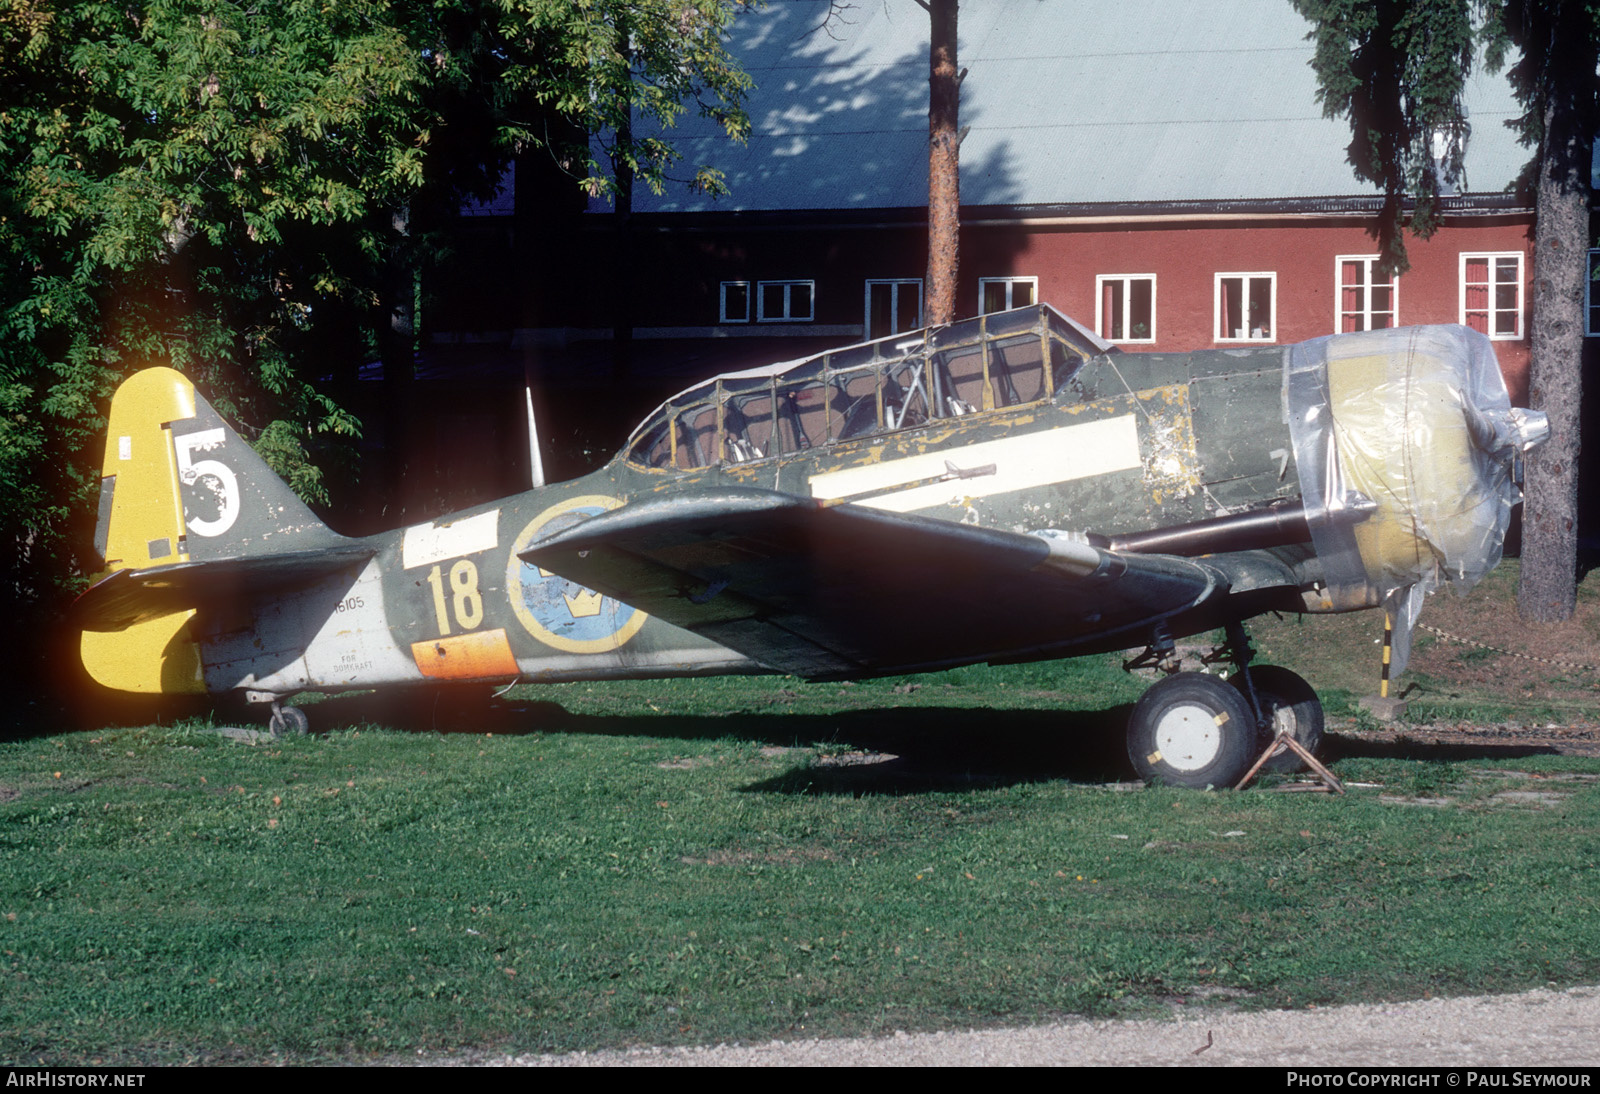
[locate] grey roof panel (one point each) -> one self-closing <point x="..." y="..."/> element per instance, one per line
<point x="1068" y="102"/>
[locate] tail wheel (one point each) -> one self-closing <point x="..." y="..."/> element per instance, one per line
<point x="1192" y="730"/>
<point x="288" y="721"/>
<point x="1288" y="702"/>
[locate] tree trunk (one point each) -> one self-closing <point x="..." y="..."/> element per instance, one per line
<point x="622" y="237"/>
<point x="622" y="257"/>
<point x="397" y="346"/>
<point x="1548" y="589"/>
<point x="944" y="174"/>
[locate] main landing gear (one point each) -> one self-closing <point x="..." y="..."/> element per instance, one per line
<point x="1196" y="730"/>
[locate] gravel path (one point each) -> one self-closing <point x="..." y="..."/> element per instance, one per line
<point x="1536" y="1029"/>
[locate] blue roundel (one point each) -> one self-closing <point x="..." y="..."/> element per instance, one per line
<point x="563" y="613"/>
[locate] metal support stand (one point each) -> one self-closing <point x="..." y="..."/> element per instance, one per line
<point x="1329" y="784"/>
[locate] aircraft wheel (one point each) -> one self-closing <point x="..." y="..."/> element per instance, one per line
<point x="1192" y="730"/>
<point x="1291" y="704"/>
<point x="289" y="720"/>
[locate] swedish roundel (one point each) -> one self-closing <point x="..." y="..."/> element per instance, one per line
<point x="561" y="613"/>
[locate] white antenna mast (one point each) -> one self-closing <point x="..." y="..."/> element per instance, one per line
<point x="535" y="461"/>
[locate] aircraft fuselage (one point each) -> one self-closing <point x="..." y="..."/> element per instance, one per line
<point x="1027" y="430"/>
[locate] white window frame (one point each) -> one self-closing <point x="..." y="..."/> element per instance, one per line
<point x="1591" y="328"/>
<point x="1216" y="305"/>
<point x="895" y="285"/>
<point x="1010" y="283"/>
<point x="1367" y="285"/>
<point x="1100" y="319"/>
<point x="788" y="315"/>
<point x="722" y="303"/>
<point x="1492" y="258"/>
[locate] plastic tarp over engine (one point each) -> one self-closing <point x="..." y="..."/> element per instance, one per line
<point x="1405" y="440"/>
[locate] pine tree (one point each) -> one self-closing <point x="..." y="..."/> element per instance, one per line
<point x="944" y="167"/>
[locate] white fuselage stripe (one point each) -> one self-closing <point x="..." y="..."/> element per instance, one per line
<point x="1020" y="463"/>
<point x="429" y="543"/>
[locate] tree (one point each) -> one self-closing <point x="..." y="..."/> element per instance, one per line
<point x="1396" y="70"/>
<point x="169" y="174"/>
<point x="244" y="191"/>
<point x="944" y="167"/>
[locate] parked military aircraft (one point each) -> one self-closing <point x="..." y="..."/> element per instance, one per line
<point x="1006" y="488"/>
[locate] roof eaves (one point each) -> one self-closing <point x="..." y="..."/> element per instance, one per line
<point x="1102" y="211"/>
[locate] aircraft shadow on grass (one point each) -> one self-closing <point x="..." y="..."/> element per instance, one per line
<point x="874" y="752"/>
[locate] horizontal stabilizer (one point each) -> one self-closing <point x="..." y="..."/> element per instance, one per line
<point x="825" y="590"/>
<point x="130" y="597"/>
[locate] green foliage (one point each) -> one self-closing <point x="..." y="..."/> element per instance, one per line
<point x="633" y="68"/>
<point x="284" y="452"/>
<point x="1396" y="70"/>
<point x="242" y="190"/>
<point x="1551" y="47"/>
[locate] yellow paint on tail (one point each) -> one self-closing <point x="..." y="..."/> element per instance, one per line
<point x="146" y="530"/>
<point x="146" y="508"/>
<point x="150" y="658"/>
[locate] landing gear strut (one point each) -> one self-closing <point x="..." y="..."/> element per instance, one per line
<point x="1287" y="702"/>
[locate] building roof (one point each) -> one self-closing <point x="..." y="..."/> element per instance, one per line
<point x="1140" y="101"/>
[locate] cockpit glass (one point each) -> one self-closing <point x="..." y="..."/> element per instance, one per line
<point x="959" y="376"/>
<point x="906" y="397"/>
<point x="803" y="416"/>
<point x="747" y="426"/>
<point x="894" y="383"/>
<point x="1016" y="369"/>
<point x="654" y="446"/>
<point x="1065" y="361"/>
<point x="855" y="401"/>
<point x="697" y="431"/>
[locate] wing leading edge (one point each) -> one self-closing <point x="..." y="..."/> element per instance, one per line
<point x="821" y="590"/>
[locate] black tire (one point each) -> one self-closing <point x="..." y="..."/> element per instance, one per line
<point x="1192" y="730"/>
<point x="288" y="721"/>
<point x="1286" y="700"/>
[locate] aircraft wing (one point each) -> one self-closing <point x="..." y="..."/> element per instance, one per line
<point x="832" y="590"/>
<point x="129" y="597"/>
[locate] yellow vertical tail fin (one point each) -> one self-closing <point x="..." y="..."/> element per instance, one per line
<point x="179" y="488"/>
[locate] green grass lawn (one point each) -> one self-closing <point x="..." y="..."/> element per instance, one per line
<point x="684" y="862"/>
